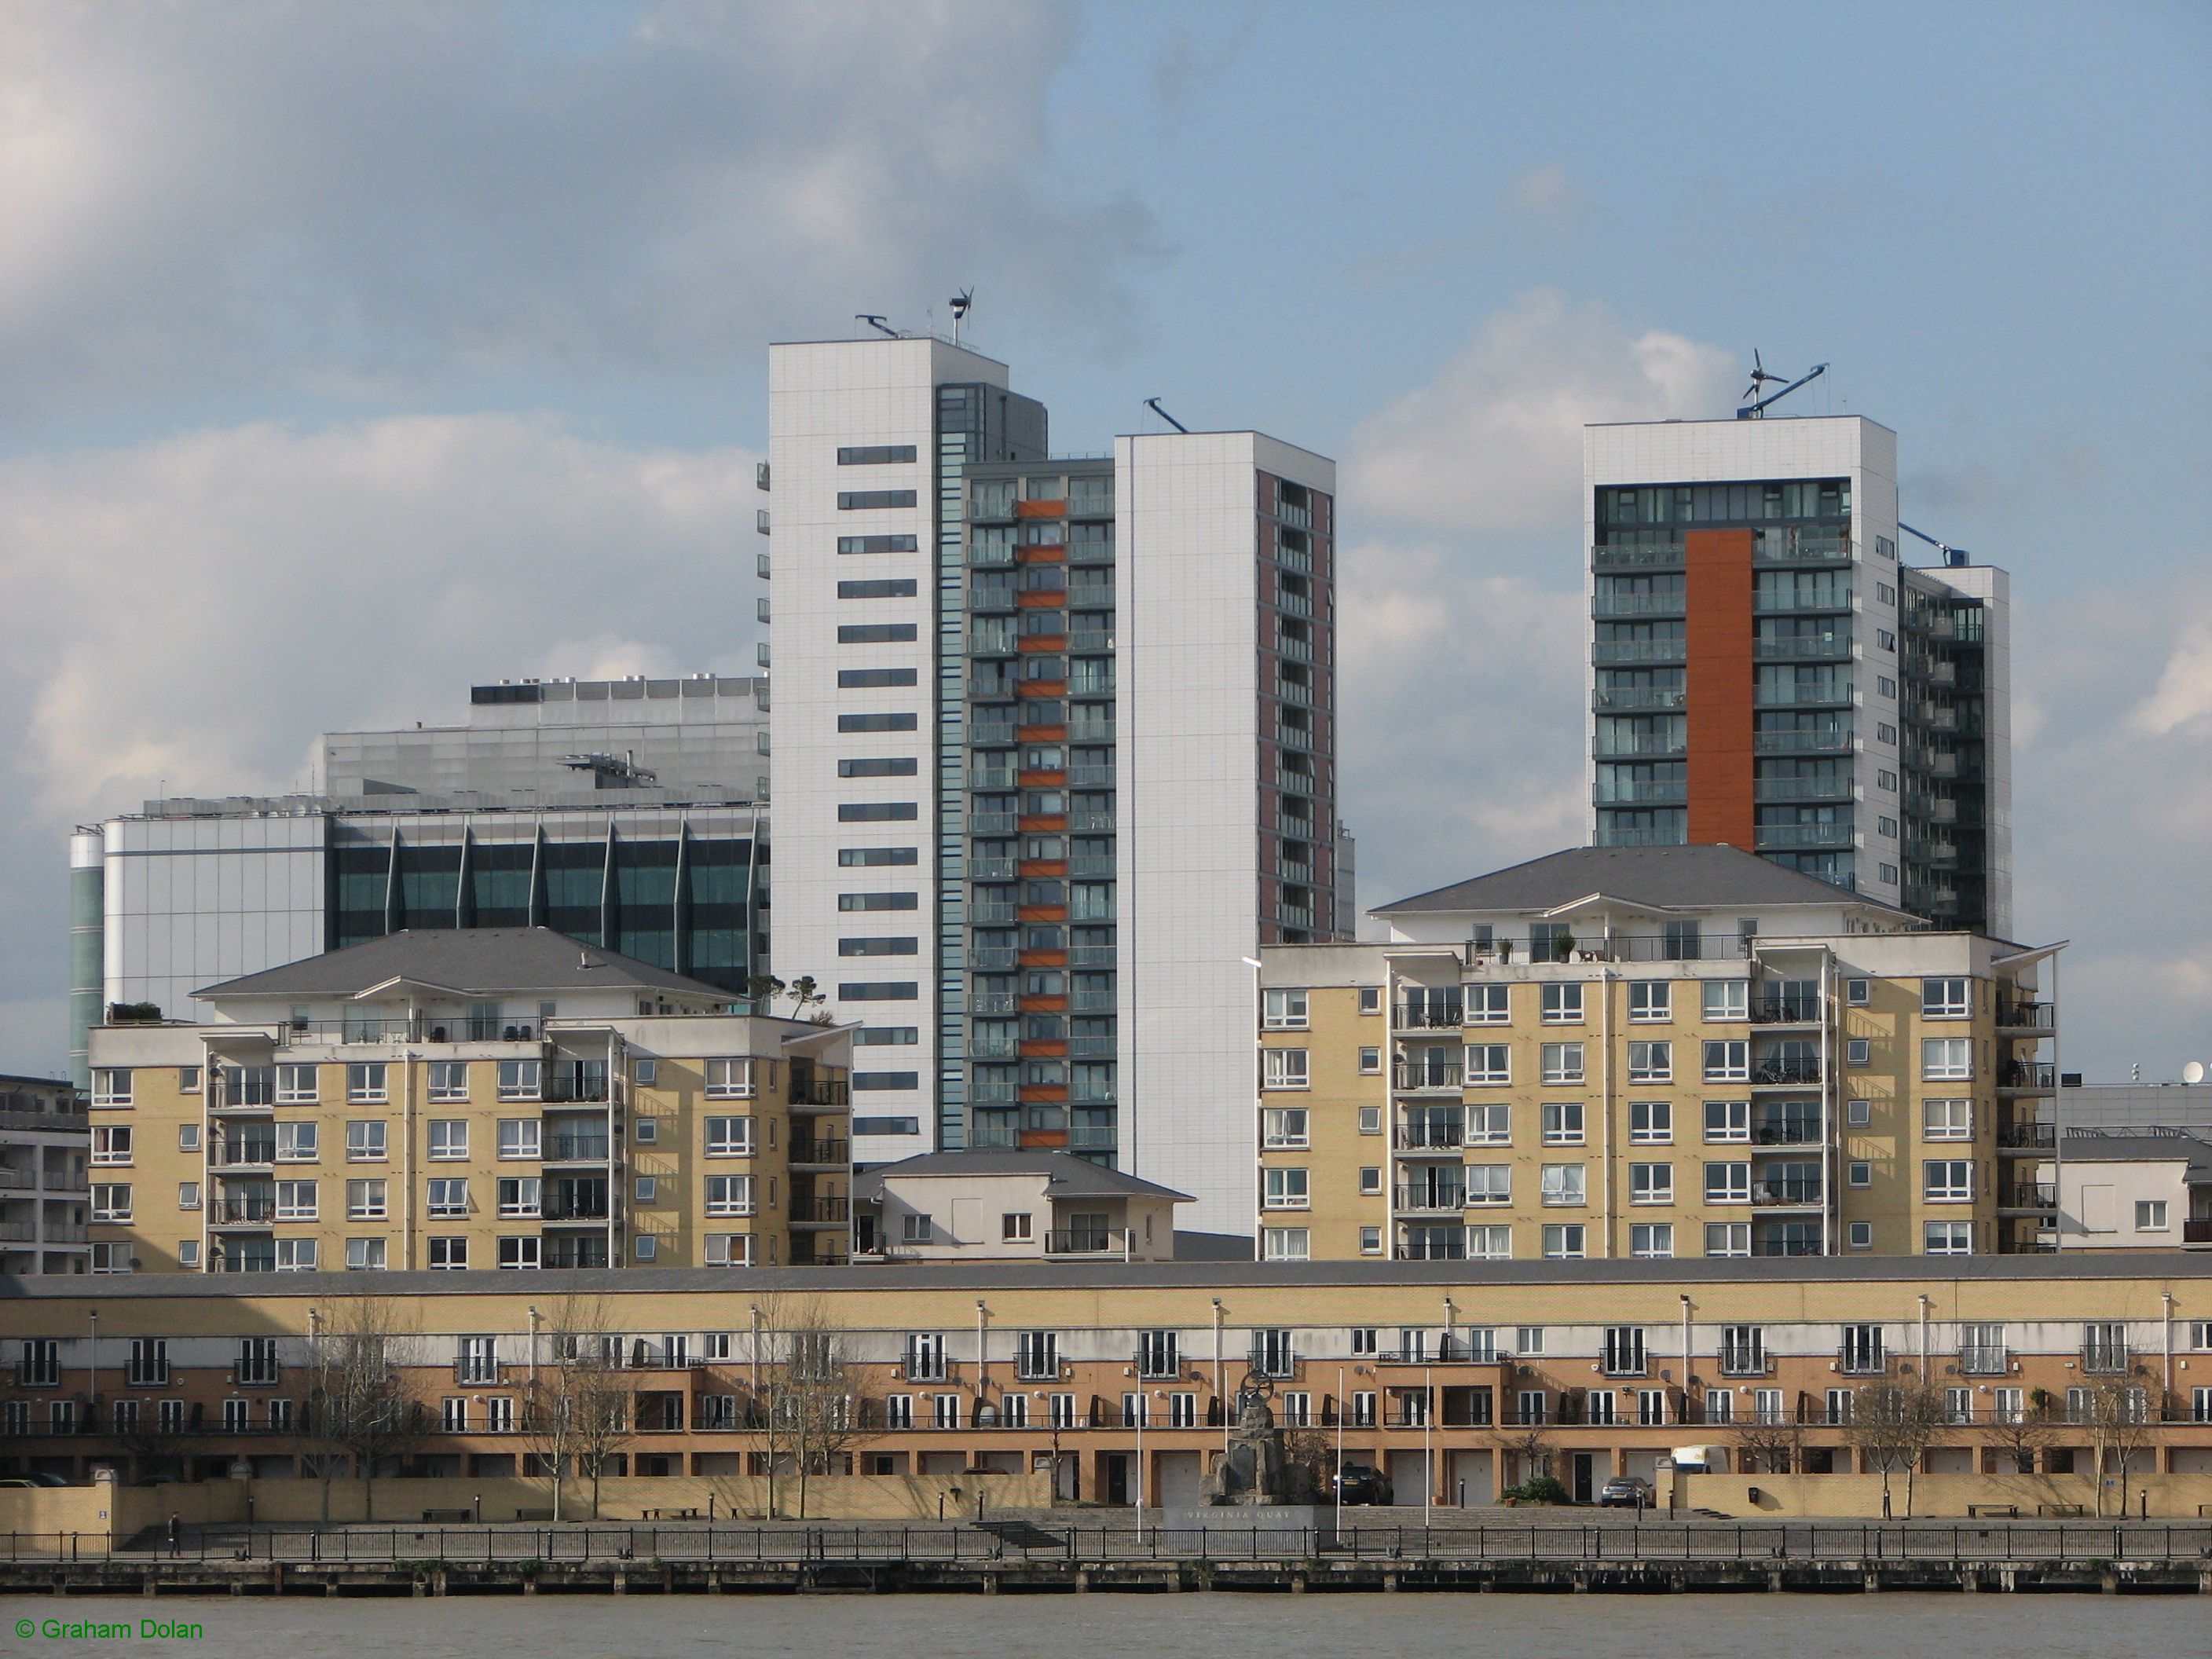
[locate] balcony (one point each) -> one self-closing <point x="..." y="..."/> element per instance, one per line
<point x="1813" y="647"/>
<point x="1427" y="1201"/>
<point x="1430" y="1139"/>
<point x="1642" y="697"/>
<point x="1637" y="558"/>
<point x="810" y="1212"/>
<point x="241" y="1155"/>
<point x="1785" y="1073"/>
<point x="820" y="1093"/>
<point x="2026" y="1076"/>
<point x="2027" y="1195"/>
<point x="242" y="1212"/>
<point x="1671" y="792"/>
<point x="1644" y="746"/>
<point x="1637" y="605"/>
<point x="831" y="1151"/>
<point x="577" y="1149"/>
<point x="2197" y="1230"/>
<point x="1767" y="790"/>
<point x="1830" y="694"/>
<point x="1824" y="740"/>
<point x="1786" y="1194"/>
<point x="1615" y="653"/>
<point x="1786" y="1010"/>
<point x="1787" y="1132"/>
<point x="1086" y="1241"/>
<point x="2029" y="1134"/>
<point x="2028" y="1016"/>
<point x="1425" y="1017"/>
<point x="574" y="1207"/>
<point x="1413" y="1079"/>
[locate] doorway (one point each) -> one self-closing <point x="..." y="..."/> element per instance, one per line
<point x="1583" y="1485"/>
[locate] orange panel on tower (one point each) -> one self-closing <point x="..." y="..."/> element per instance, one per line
<point x="1718" y="680"/>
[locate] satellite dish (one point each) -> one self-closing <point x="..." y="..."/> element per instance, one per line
<point x="2195" y="1072"/>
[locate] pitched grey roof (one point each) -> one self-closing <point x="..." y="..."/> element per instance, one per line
<point x="486" y="960"/>
<point x="1070" y="1176"/>
<point x="2149" y="1145"/>
<point x="1683" y="876"/>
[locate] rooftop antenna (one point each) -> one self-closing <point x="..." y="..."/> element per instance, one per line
<point x="1952" y="555"/>
<point x="1153" y="404"/>
<point x="876" y="323"/>
<point x="1756" y="409"/>
<point x="962" y="303"/>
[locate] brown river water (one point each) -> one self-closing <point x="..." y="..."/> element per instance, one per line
<point x="1200" y="1625"/>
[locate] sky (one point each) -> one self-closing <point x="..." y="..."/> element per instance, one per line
<point x="349" y="354"/>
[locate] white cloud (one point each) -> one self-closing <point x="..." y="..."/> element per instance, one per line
<point x="363" y="198"/>
<point x="1494" y="442"/>
<point x="195" y="610"/>
<point x="2185" y="691"/>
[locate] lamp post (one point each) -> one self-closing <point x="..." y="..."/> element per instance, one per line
<point x="1428" y="1451"/>
<point x="1343" y="1406"/>
<point x="1142" y="1414"/>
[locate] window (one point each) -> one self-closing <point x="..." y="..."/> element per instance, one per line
<point x="519" y="1196"/>
<point x="188" y="1079"/>
<point x="448" y="1254"/>
<point x="1858" y="991"/>
<point x="1858" y="1051"/>
<point x="1563" y="1123"/>
<point x="295" y="1201"/>
<point x="1743" y="1350"/>
<point x="1564" y="1184"/>
<point x="1946" y="1238"/>
<point x="1651" y="1122"/>
<point x="729" y="1250"/>
<point x="297" y="1255"/>
<point x="1564" y="1242"/>
<point x="860" y="500"/>
<point x="298" y="1143"/>
<point x="449" y="1139"/>
<point x="1946" y="1059"/>
<point x="1285" y="1244"/>
<point x="1859" y="1173"/>
<point x="1858" y="1114"/>
<point x="1946" y="1120"/>
<point x="1371" y="998"/>
<point x="149" y="1361"/>
<point x="1728" y="1061"/>
<point x="874" y="454"/>
<point x="1728" y="1184"/>
<point x="1489" y="1184"/>
<point x="1982" y="1350"/>
<point x="1488" y="1005"/>
<point x="518" y="1079"/>
<point x="1037" y="1356"/>
<point x="1861" y="1236"/>
<point x="647" y="1131"/>
<point x="111" y="1144"/>
<point x="1727" y="1119"/>
<point x="1563" y="1005"/>
<point x="1651" y="1183"/>
<point x="1650" y="1062"/>
<point x="1839" y="1406"/>
<point x="1489" y="1063"/>
<point x="1487" y="1126"/>
<point x="111" y="1203"/>
<point x="729" y="1137"/>
<point x="1284" y="1011"/>
<point x="1016" y="1227"/>
<point x="1727" y="999"/>
<point x="111" y="1086"/>
<point x="365" y="1200"/>
<point x="1946" y="999"/>
<point x="1286" y="1189"/>
<point x="1370" y="1062"/>
<point x="188" y="1194"/>
<point x="2150" y="1215"/>
<point x="878" y="901"/>
<point x="520" y="1138"/>
<point x="1371" y="1120"/>
<point x="1651" y="1239"/>
<point x="732" y="1194"/>
<point x="1947" y="1180"/>
<point x="1563" y="1062"/>
<point x="295" y="1086"/>
<point x="188" y="1137"/>
<point x="1861" y="1349"/>
<point x="1728" y="1238"/>
<point x="449" y="1080"/>
<point x="1284" y="1068"/>
<point x="1284" y="1126"/>
<point x="449" y="1197"/>
<point x="1651" y="999"/>
<point x="365" y="1083"/>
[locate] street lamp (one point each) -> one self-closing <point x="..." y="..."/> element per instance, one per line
<point x="1428" y="1452"/>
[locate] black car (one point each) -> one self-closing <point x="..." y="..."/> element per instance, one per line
<point x="1360" y="1483"/>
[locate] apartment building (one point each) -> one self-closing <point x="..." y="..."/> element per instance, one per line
<point x="1655" y="1052"/>
<point x="652" y="845"/>
<point x="488" y="1098"/>
<point x="1766" y="672"/>
<point x="1456" y="1378"/>
<point x="2146" y="1189"/>
<point x="1054" y="753"/>
<point x="44" y="1143"/>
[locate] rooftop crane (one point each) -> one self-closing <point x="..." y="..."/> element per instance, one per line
<point x="1952" y="555"/>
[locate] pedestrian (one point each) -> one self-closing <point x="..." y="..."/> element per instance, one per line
<point x="176" y="1531"/>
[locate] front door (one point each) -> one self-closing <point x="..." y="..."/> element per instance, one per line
<point x="1585" y="1476"/>
<point x="1117" y="1481"/>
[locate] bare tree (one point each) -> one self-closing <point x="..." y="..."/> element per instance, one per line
<point x="155" y="1444"/>
<point x="1768" y="1444"/>
<point x="2121" y="1430"/>
<point x="814" y="1409"/>
<point x="357" y="1406"/>
<point x="2017" y="1436"/>
<point x="578" y="1415"/>
<point x="1892" y="1425"/>
<point x="1530" y="1445"/>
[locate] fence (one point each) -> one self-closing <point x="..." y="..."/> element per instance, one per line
<point x="1723" y="1542"/>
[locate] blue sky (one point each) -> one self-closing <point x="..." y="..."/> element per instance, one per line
<point x="385" y="349"/>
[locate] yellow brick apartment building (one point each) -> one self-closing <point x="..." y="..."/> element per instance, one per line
<point x="1655" y="1052"/>
<point x="489" y="1097"/>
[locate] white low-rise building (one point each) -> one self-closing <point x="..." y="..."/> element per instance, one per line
<point x="1011" y="1206"/>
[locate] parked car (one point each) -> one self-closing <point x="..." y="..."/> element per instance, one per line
<point x="1625" y="1491"/>
<point x="1362" y="1483"/>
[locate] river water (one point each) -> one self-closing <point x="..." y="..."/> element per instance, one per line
<point x="1213" y="1625"/>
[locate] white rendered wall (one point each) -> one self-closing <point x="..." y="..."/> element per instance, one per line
<point x="1188" y="712"/>
<point x="1734" y="451"/>
<point x="822" y="395"/>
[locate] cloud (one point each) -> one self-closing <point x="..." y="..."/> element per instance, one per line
<point x="195" y="610"/>
<point x="366" y="199"/>
<point x="1494" y="442"/>
<point x="1183" y="67"/>
<point x="2184" y="696"/>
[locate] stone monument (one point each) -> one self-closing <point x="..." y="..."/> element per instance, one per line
<point x="1255" y="1471"/>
